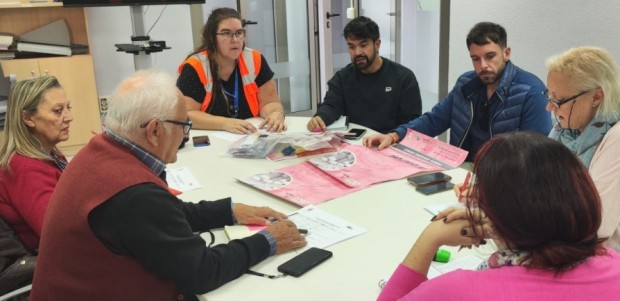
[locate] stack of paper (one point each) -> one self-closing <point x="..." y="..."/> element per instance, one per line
<point x="7" y="47"/>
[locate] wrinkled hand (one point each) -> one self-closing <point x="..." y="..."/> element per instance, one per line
<point x="252" y="215"/>
<point x="381" y="141"/>
<point x="316" y="124"/>
<point x="274" y="122"/>
<point x="238" y="126"/>
<point x="286" y="235"/>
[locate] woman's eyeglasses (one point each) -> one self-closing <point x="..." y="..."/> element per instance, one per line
<point x="239" y="34"/>
<point x="558" y="103"/>
<point x="187" y="125"/>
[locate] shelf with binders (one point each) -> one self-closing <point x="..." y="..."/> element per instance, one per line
<point x="75" y="73"/>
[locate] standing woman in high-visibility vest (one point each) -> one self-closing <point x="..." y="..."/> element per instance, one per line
<point x="225" y="82"/>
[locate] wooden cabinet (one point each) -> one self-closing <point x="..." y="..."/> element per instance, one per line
<point x="75" y="73"/>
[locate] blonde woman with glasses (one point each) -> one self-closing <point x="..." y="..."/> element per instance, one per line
<point x="584" y="95"/>
<point x="225" y="82"/>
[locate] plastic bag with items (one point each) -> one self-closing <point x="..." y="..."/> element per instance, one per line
<point x="253" y="146"/>
<point x="296" y="145"/>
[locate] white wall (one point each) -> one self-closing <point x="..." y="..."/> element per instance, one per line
<point x="112" y="25"/>
<point x="377" y="11"/>
<point x="536" y="29"/>
<point x="420" y="48"/>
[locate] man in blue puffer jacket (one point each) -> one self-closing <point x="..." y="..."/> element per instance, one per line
<point x="497" y="97"/>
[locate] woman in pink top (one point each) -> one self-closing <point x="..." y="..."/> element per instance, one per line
<point x="37" y="118"/>
<point x="537" y="202"/>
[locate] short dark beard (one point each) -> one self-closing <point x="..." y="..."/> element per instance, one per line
<point x="369" y="60"/>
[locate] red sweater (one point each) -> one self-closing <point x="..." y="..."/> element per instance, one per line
<point x="70" y="252"/>
<point x="25" y="191"/>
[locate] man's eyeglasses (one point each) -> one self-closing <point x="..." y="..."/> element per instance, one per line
<point x="187" y="125"/>
<point x="558" y="103"/>
<point x="239" y="34"/>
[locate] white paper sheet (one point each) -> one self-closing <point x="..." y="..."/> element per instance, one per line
<point x="181" y="179"/>
<point x="323" y="228"/>
<point x="435" y="209"/>
<point x="469" y="262"/>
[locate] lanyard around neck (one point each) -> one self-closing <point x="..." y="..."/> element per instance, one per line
<point x="234" y="95"/>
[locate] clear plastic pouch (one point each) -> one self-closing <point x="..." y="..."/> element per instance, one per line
<point x="253" y="146"/>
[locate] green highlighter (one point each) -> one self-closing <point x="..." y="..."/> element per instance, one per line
<point x="442" y="256"/>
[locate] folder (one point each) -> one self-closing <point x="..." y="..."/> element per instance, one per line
<point x="55" y="33"/>
<point x="44" y="48"/>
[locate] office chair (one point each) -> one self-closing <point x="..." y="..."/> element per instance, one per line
<point x="16" y="264"/>
<point x="18" y="294"/>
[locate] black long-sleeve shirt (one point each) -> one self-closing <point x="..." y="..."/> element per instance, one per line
<point x="147" y="223"/>
<point x="381" y="101"/>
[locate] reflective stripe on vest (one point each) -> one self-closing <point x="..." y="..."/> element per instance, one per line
<point x="249" y="67"/>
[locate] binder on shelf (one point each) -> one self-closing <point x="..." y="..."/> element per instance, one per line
<point x="43" y="48"/>
<point x="55" y="33"/>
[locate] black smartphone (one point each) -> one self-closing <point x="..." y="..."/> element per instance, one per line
<point x="435" y="188"/>
<point x="354" y="134"/>
<point x="429" y="179"/>
<point x="304" y="262"/>
<point x="201" y="141"/>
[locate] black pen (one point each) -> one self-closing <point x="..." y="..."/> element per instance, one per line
<point x="301" y="231"/>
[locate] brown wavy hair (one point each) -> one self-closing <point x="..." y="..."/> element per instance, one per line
<point x="540" y="199"/>
<point x="209" y="41"/>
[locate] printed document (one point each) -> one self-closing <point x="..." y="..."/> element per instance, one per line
<point x="324" y="229"/>
<point x="181" y="179"/>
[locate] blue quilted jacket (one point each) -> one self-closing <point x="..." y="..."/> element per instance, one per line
<point x="522" y="107"/>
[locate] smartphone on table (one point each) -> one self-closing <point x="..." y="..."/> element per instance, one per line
<point x="304" y="262"/>
<point x="429" y="179"/>
<point x="201" y="141"/>
<point x="434" y="188"/>
<point x="354" y="134"/>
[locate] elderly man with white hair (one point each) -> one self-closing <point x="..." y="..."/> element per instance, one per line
<point x="113" y="230"/>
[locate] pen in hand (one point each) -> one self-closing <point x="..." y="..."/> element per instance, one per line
<point x="465" y="183"/>
<point x="301" y="231"/>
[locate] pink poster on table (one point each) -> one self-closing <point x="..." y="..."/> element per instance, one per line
<point x="432" y="150"/>
<point x="355" y="167"/>
<point x="360" y="166"/>
<point x="302" y="184"/>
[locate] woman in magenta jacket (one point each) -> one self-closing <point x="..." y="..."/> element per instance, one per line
<point x="537" y="202"/>
<point x="37" y="119"/>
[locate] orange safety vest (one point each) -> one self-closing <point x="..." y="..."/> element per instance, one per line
<point x="249" y="66"/>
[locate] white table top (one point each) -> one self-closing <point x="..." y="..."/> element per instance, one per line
<point x="393" y="212"/>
